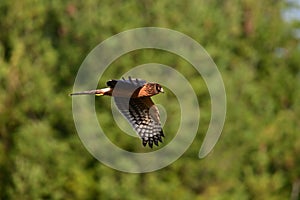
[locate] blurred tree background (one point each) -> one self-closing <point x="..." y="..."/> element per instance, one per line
<point x="43" y="43"/>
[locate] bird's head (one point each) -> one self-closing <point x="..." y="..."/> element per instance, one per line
<point x="153" y="89"/>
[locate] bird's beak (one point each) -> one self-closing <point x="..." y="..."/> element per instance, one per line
<point x="162" y="90"/>
<point x="89" y="92"/>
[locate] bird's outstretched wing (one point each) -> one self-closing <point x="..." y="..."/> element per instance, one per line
<point x="126" y="88"/>
<point x="143" y="116"/>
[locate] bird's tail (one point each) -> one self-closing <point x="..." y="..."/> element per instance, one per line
<point x="98" y="92"/>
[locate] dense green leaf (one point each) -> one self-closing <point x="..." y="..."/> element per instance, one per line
<point x="42" y="45"/>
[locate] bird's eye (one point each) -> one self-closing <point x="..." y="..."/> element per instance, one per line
<point x="158" y="87"/>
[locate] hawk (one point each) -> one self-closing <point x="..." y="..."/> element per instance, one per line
<point x="133" y="99"/>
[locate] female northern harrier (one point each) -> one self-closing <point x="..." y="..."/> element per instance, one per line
<point x="132" y="98"/>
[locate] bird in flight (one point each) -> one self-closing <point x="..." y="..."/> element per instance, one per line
<point x="133" y="99"/>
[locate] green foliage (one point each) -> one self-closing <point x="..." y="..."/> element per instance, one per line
<point x="43" y="43"/>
